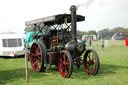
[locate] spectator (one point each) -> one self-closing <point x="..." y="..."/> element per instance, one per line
<point x="106" y="43"/>
<point x="90" y="43"/>
<point x="102" y="45"/>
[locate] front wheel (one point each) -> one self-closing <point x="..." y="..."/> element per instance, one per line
<point x="37" y="54"/>
<point x="91" y="62"/>
<point x="65" y="64"/>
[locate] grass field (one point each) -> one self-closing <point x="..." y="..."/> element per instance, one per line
<point x="113" y="70"/>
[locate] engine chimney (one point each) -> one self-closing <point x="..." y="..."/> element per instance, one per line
<point x="74" y="22"/>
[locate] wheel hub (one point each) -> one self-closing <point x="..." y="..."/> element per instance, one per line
<point x="91" y="62"/>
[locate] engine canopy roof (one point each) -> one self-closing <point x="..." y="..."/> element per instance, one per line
<point x="55" y="19"/>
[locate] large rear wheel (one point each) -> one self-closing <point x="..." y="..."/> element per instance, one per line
<point x="91" y="62"/>
<point x="37" y="54"/>
<point x="65" y="64"/>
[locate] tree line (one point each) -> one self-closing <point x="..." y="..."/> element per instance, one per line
<point x="116" y="29"/>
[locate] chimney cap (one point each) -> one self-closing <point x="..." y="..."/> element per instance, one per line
<point x="73" y="8"/>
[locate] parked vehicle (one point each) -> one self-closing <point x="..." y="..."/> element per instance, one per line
<point x="59" y="45"/>
<point x="11" y="45"/>
<point x="85" y="37"/>
<point x="120" y="36"/>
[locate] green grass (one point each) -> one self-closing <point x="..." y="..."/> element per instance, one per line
<point x="113" y="70"/>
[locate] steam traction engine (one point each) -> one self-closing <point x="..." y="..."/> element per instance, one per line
<point x="58" y="45"/>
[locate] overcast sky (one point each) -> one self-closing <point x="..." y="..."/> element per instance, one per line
<point x="99" y="14"/>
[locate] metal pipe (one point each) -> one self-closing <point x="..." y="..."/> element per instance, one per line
<point x="73" y="9"/>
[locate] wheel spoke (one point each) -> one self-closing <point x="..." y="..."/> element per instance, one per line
<point x="64" y="58"/>
<point x="68" y="66"/>
<point x="93" y="58"/>
<point x="34" y="59"/>
<point x="35" y="47"/>
<point x="35" y="62"/>
<point x="63" y="69"/>
<point x="93" y="68"/>
<point x="33" y="54"/>
<point x="38" y="51"/>
<point x="61" y="60"/>
<point x="89" y="56"/>
<point x="87" y="63"/>
<point x="92" y="55"/>
<point x="39" y="62"/>
<point x="66" y="72"/>
<point x="66" y="63"/>
<point x="39" y="58"/>
<point x="89" y="67"/>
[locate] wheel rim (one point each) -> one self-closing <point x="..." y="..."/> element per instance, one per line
<point x="90" y="63"/>
<point x="35" y="57"/>
<point x="63" y="65"/>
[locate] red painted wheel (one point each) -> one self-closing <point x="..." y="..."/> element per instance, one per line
<point x="65" y="64"/>
<point x="37" y="54"/>
<point x="91" y="62"/>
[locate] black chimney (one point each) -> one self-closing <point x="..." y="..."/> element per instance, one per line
<point x="74" y="21"/>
